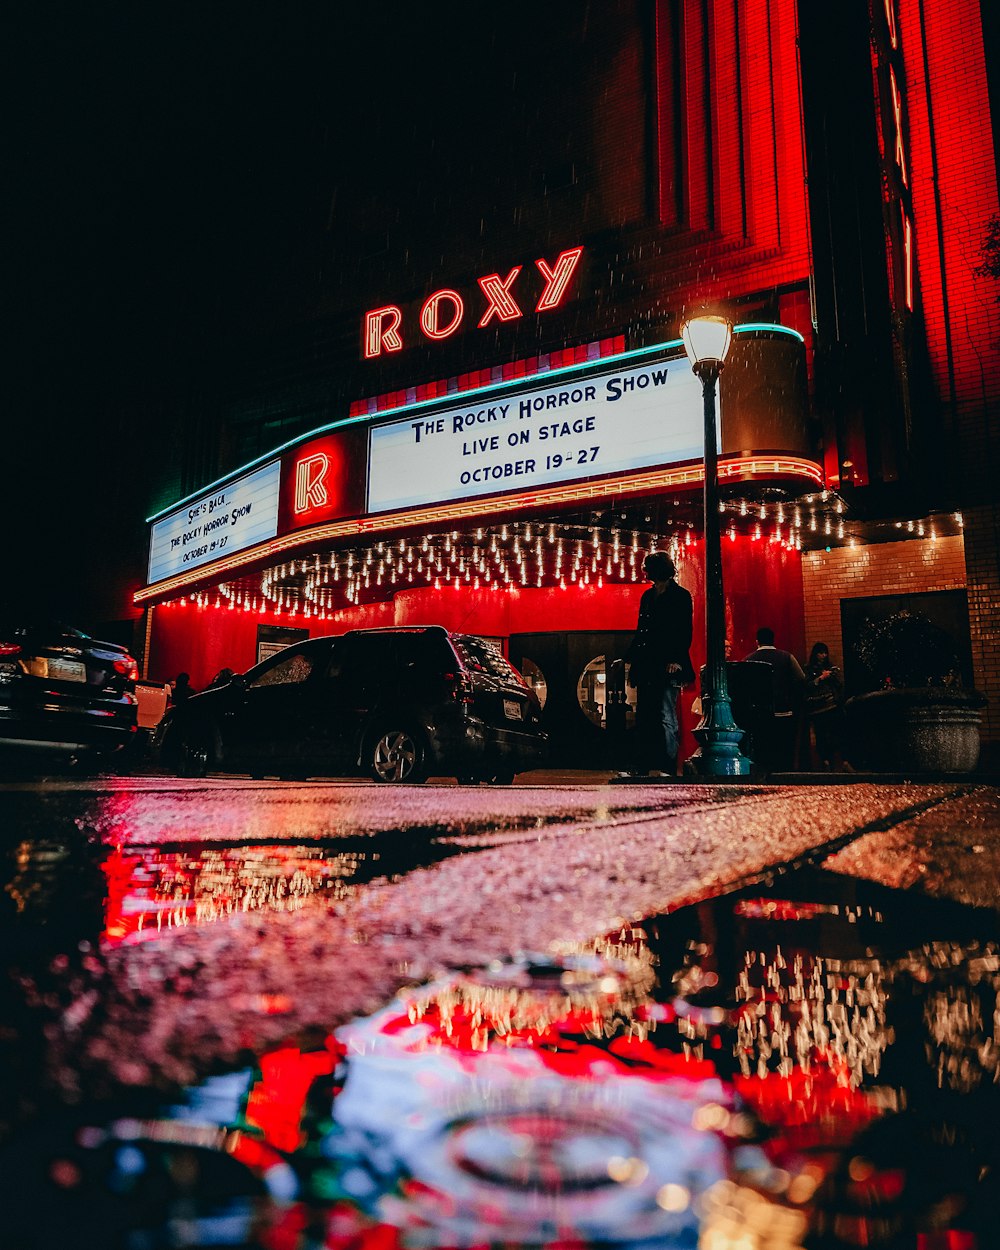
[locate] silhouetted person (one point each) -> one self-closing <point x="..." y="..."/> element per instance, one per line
<point x="659" y="656"/>
<point x="824" y="696"/>
<point x="182" y="688"/>
<point x="776" y="745"/>
<point x="222" y="678"/>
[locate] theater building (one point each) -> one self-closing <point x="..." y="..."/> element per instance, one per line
<point x="494" y="445"/>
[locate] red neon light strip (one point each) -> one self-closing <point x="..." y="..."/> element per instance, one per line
<point x="379" y="335"/>
<point x="501" y="303"/>
<point x="890" y="18"/>
<point x="557" y="279"/>
<point x="907" y="259"/>
<point x="897" y="112"/>
<point x="690" y="475"/>
<point x="430" y="321"/>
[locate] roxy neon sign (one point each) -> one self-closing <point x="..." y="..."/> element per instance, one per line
<point x="443" y="311"/>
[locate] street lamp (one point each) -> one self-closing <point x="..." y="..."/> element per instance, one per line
<point x="706" y="341"/>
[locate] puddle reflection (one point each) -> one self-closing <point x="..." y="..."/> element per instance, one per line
<point x="813" y="1064"/>
<point x="156" y="889"/>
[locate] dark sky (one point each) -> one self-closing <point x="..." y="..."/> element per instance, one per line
<point x="160" y="150"/>
<point x="164" y="157"/>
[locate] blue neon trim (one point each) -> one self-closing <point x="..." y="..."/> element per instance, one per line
<point x="370" y="417"/>
<point x="748" y="327"/>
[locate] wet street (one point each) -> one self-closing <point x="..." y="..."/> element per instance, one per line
<point x="330" y="1015"/>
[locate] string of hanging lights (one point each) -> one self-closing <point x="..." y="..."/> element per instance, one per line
<point x="515" y="555"/>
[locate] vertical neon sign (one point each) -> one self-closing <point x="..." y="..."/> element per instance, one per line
<point x="890" y="88"/>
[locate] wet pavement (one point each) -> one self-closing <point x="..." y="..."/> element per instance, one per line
<point x="302" y="1015"/>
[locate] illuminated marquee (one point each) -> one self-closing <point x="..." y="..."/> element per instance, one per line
<point x="443" y="311"/>
<point x="601" y="424"/>
<point x="225" y="519"/>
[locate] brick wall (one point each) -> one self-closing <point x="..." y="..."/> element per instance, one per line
<point x="982" y="540"/>
<point x="900" y="568"/>
<point x="881" y="569"/>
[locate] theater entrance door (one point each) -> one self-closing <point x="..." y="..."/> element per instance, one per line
<point x="588" y="708"/>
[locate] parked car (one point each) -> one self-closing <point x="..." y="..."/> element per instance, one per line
<point x="398" y="704"/>
<point x="63" y="693"/>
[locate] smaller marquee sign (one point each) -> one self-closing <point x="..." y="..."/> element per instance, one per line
<point x="227" y="519"/>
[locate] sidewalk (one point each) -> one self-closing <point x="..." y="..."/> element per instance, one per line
<point x="601" y="777"/>
<point x="818" y="779"/>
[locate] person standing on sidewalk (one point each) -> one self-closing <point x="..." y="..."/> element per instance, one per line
<point x="776" y="750"/>
<point x="660" y="663"/>
<point x="824" y="708"/>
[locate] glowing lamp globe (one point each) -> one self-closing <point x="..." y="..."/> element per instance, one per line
<point x="706" y="341"/>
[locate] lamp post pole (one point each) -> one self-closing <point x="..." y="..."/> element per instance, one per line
<point x="717" y="734"/>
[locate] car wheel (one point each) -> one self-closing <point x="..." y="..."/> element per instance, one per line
<point x="397" y="754"/>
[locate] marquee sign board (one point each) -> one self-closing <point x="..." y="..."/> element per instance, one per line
<point x="227" y="519"/>
<point x="602" y="424"/>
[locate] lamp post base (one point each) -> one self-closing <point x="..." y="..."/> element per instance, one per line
<point x="718" y="737"/>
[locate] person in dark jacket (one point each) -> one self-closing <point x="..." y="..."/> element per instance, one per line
<point x="776" y="747"/>
<point x="182" y="689"/>
<point x="660" y="663"/>
<point x="824" y="706"/>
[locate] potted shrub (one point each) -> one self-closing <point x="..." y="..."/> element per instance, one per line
<point x="917" y="716"/>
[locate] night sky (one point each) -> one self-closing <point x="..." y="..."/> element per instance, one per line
<point x="162" y="152"/>
<point x="167" y="160"/>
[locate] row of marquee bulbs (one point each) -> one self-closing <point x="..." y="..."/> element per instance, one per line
<point x="510" y="556"/>
<point x="520" y="555"/>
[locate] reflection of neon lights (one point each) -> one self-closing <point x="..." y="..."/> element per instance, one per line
<point x="796" y="1013"/>
<point x="599" y="993"/>
<point x="277" y="1100"/>
<point x="154" y="892"/>
<point x="512" y="1134"/>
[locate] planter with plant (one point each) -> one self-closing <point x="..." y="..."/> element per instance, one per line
<point x="917" y="716"/>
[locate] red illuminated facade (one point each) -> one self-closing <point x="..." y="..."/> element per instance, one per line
<point x="830" y="173"/>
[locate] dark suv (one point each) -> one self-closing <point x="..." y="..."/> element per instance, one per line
<point x="398" y="704"/>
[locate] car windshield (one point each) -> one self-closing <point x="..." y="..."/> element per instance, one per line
<point x="481" y="657"/>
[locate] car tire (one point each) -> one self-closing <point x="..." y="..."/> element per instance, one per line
<point x="397" y="754"/>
